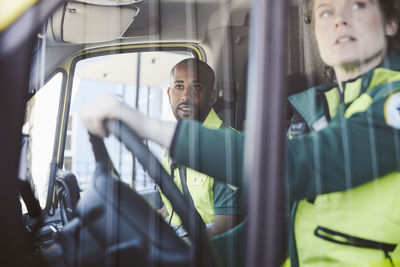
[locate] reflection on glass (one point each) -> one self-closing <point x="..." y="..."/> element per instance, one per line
<point x="41" y="121"/>
<point x="119" y="75"/>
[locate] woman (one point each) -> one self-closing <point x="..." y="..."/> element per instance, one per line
<point x="343" y="215"/>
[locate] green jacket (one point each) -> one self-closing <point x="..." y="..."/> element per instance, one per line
<point x="360" y="226"/>
<point x="353" y="146"/>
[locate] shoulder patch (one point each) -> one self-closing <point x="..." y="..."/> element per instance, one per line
<point x="392" y="110"/>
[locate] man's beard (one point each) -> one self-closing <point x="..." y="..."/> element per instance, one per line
<point x="194" y="113"/>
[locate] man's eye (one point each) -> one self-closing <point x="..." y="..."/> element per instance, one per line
<point x="197" y="87"/>
<point x="358" y="5"/>
<point x="179" y="87"/>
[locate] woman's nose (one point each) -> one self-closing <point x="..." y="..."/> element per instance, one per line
<point x="341" y="22"/>
<point x="342" y="18"/>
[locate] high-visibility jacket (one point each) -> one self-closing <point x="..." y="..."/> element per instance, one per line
<point x="209" y="197"/>
<point x="360" y="226"/>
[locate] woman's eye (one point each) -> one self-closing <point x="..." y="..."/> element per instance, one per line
<point x="326" y="14"/>
<point x="358" y="5"/>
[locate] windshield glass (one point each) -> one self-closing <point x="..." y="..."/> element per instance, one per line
<point x="141" y="81"/>
<point x="40" y="125"/>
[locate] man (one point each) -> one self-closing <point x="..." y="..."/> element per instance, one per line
<point x="191" y="95"/>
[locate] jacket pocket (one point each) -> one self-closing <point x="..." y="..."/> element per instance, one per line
<point x="349" y="240"/>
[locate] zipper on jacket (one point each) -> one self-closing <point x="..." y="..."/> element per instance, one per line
<point x="349" y="240"/>
<point x="294" y="257"/>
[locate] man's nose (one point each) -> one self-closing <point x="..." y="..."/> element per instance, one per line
<point x="185" y="94"/>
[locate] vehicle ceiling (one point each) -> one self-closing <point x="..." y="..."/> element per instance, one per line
<point x="98" y="23"/>
<point x="154" y="22"/>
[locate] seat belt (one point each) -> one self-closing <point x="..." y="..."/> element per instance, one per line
<point x="185" y="189"/>
<point x="172" y="168"/>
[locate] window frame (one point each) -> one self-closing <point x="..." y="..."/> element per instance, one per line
<point x="69" y="66"/>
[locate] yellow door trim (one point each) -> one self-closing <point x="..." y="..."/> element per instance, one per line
<point x="11" y="10"/>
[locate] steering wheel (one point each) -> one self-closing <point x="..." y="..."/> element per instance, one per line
<point x="113" y="223"/>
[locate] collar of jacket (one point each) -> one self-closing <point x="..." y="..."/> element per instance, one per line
<point x="212" y="120"/>
<point x="318" y="104"/>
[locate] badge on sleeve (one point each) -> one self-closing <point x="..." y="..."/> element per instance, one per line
<point x="392" y="110"/>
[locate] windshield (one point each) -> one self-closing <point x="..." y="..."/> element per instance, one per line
<point x="40" y="126"/>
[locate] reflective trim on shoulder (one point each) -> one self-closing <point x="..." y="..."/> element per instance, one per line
<point x="212" y="121"/>
<point x="11" y="10"/>
<point x="361" y="104"/>
<point x="391" y="110"/>
<point x="382" y="76"/>
<point x="320" y="124"/>
<point x="234" y="188"/>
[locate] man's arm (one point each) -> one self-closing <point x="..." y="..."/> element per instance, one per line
<point x="351" y="152"/>
<point x="163" y="212"/>
<point x="107" y="107"/>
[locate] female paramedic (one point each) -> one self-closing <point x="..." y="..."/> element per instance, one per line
<point x="343" y="168"/>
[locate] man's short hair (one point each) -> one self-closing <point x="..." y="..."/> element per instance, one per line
<point x="205" y="72"/>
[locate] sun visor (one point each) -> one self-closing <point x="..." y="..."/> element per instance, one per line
<point x="81" y="23"/>
<point x="110" y="2"/>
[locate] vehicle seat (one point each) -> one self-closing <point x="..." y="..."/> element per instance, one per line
<point x="68" y="193"/>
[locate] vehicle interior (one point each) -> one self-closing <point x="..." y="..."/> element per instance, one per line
<point x="70" y="199"/>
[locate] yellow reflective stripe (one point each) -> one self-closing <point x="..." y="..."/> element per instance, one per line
<point x="200" y="188"/>
<point x="366" y="211"/>
<point x="11" y="10"/>
<point x="212" y="120"/>
<point x="286" y="263"/>
<point x="359" y="105"/>
<point x="232" y="187"/>
<point x="333" y="99"/>
<point x="352" y="91"/>
<point x="382" y="76"/>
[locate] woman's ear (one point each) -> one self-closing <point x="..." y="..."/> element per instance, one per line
<point x="391" y="27"/>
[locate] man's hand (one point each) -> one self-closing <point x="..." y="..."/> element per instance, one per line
<point x="96" y="113"/>
<point x="223" y="223"/>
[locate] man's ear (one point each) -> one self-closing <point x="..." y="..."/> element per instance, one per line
<point x="169" y="94"/>
<point x="391" y="28"/>
<point x="213" y="96"/>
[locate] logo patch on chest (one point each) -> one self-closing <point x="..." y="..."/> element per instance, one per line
<point x="392" y="110"/>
